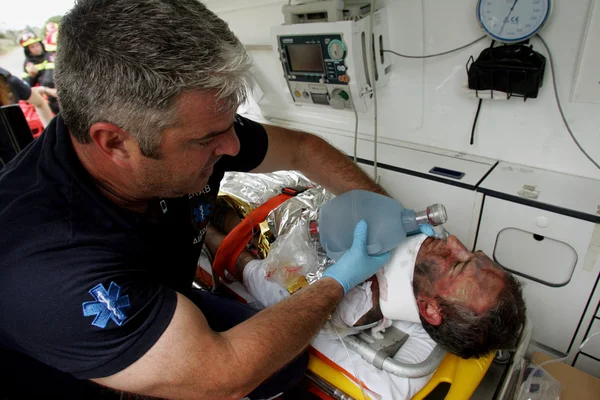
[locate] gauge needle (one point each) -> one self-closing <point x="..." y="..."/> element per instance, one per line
<point x="510" y="12"/>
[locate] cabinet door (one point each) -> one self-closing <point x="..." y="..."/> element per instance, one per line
<point x="588" y="364"/>
<point x="548" y="251"/>
<point x="592" y="348"/>
<point x="463" y="205"/>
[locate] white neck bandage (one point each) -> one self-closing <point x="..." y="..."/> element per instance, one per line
<point x="396" y="296"/>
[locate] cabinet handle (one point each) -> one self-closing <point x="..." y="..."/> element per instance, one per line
<point x="537" y="237"/>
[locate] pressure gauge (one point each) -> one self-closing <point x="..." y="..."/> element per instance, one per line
<point x="513" y="20"/>
<point x="336" y="49"/>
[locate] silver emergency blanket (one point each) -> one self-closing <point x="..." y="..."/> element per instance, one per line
<point x="256" y="189"/>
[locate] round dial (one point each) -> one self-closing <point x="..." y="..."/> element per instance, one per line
<point x="336" y="49"/>
<point x="513" y="20"/>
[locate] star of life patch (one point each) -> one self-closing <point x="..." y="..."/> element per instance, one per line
<point x="108" y="306"/>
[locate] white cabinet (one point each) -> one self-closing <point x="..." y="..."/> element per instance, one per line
<point x="540" y="225"/>
<point x="592" y="348"/>
<point x="588" y="364"/>
<point x="556" y="288"/>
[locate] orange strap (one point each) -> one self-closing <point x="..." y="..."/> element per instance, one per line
<point x="235" y="242"/>
<point x="335" y="366"/>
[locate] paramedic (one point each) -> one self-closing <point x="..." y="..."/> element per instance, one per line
<point x="103" y="219"/>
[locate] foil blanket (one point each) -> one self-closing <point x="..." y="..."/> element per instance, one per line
<point x="245" y="191"/>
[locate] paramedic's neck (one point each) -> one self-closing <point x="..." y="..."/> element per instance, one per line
<point x="112" y="183"/>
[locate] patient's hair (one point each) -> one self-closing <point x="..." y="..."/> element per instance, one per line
<point x="470" y="335"/>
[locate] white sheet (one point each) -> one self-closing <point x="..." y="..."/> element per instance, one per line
<point x="385" y="385"/>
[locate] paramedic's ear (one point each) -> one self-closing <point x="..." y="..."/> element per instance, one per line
<point x="430" y="311"/>
<point x="113" y="141"/>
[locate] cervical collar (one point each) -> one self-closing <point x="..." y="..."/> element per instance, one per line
<point x="396" y="296"/>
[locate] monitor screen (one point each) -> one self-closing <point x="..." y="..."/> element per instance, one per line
<point x="305" y="58"/>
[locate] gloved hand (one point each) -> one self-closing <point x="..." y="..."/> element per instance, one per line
<point x="356" y="265"/>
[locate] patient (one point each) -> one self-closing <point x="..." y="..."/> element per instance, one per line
<point x="467" y="303"/>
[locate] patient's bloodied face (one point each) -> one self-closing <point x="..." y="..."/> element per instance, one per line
<point x="458" y="275"/>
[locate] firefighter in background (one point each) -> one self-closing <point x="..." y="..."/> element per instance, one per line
<point x="39" y="68"/>
<point x="51" y="38"/>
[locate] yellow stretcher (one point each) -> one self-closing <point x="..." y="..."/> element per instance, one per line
<point x="464" y="376"/>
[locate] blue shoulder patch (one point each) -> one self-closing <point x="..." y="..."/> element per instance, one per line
<point x="108" y="305"/>
<point x="201" y="212"/>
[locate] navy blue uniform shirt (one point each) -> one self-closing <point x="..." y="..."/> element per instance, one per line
<point x="85" y="286"/>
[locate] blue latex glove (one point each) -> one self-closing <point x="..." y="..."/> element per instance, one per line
<point x="356" y="265"/>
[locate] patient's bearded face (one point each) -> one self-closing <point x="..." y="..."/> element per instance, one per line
<point x="458" y="275"/>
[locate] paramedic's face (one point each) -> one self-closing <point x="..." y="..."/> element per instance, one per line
<point x="35" y="48"/>
<point x="189" y="151"/>
<point x="460" y="275"/>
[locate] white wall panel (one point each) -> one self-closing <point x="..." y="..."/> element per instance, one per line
<point x="426" y="102"/>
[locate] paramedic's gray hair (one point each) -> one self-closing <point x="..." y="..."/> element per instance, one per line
<point x="127" y="62"/>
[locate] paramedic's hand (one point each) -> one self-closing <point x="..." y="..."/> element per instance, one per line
<point x="356" y="265"/>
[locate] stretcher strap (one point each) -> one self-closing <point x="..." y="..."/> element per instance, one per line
<point x="336" y="367"/>
<point x="235" y="242"/>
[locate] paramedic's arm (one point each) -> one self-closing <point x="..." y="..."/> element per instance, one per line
<point x="190" y="361"/>
<point x="315" y="158"/>
<point x="42" y="108"/>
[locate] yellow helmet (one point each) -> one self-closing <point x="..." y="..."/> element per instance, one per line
<point x="28" y="38"/>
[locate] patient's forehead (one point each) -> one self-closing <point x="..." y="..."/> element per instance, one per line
<point x="485" y="261"/>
